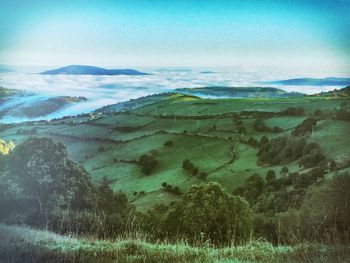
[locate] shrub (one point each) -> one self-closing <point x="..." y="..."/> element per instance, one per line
<point x="169" y="143"/>
<point x="253" y="187"/>
<point x="252" y="141"/>
<point x="202" y="175"/>
<point x="148" y="163"/>
<point x="326" y="209"/>
<point x="305" y="127"/>
<point x="284" y="170"/>
<point x="195" y="171"/>
<point x="270" y="176"/>
<point x="187" y="165"/>
<point x="263" y="140"/>
<point x="39" y="170"/>
<point x="207" y="209"/>
<point x="101" y="149"/>
<point x="293" y="111"/>
<point x="316" y="173"/>
<point x="312" y="159"/>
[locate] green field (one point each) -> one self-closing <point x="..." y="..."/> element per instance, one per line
<point x="202" y="130"/>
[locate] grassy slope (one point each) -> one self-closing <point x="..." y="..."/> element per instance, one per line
<point x="21" y="244"/>
<point x="146" y="127"/>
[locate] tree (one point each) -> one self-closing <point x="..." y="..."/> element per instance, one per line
<point x="41" y="170"/>
<point x="187" y="165"/>
<point x="202" y="175"/>
<point x="284" y="170"/>
<point x="148" y="163"/>
<point x="105" y="197"/>
<point x="252" y="141"/>
<point x="169" y="143"/>
<point x="326" y="210"/>
<point x="253" y="187"/>
<point x="332" y="165"/>
<point x="263" y="140"/>
<point x="305" y="127"/>
<point x="207" y="209"/>
<point x="270" y="176"/>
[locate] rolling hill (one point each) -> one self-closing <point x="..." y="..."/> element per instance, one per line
<point x="330" y="81"/>
<point x="91" y="70"/>
<point x="239" y="92"/>
<point x="109" y="141"/>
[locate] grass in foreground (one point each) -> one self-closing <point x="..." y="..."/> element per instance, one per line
<point x="22" y="244"/>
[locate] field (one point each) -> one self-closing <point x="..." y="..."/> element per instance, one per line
<point x="22" y="244"/>
<point x="109" y="142"/>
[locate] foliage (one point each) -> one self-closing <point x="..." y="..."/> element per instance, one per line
<point x="305" y="127"/>
<point x="148" y="163"/>
<point x="169" y="143"/>
<point x="286" y="149"/>
<point x="193" y="170"/>
<point x="206" y="212"/>
<point x="260" y="126"/>
<point x="293" y="111"/>
<point x="40" y="170"/>
<point x="5" y="148"/>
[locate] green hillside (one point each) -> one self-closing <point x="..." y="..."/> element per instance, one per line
<point x="110" y="141"/>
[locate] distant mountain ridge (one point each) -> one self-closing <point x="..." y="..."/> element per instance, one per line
<point x="91" y="70"/>
<point x="330" y="81"/>
<point x="238" y="92"/>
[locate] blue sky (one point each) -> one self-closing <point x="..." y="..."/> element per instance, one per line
<point x="290" y="35"/>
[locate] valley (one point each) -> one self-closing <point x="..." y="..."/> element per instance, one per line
<point x="109" y="142"/>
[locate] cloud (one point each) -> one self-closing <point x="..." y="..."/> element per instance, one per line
<point x="103" y="90"/>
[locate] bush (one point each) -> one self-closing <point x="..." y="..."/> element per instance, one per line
<point x="253" y="187"/>
<point x="312" y="159"/>
<point x="284" y="170"/>
<point x="293" y="111"/>
<point x="169" y="143"/>
<point x="326" y="211"/>
<point x="39" y="170"/>
<point x="263" y="140"/>
<point x="188" y="165"/>
<point x="270" y="176"/>
<point x="170" y="189"/>
<point x="252" y="141"/>
<point x="305" y="127"/>
<point x="148" y="163"/>
<point x="101" y="149"/>
<point x="202" y="175"/>
<point x="286" y="149"/>
<point x="208" y="210"/>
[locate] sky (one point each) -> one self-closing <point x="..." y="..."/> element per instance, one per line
<point x="291" y="35"/>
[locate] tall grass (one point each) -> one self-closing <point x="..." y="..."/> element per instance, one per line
<point x="23" y="244"/>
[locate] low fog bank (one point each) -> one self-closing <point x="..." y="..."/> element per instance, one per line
<point x="105" y="90"/>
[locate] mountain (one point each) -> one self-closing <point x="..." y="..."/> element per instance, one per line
<point x="330" y="81"/>
<point x="238" y="92"/>
<point x="91" y="70"/>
